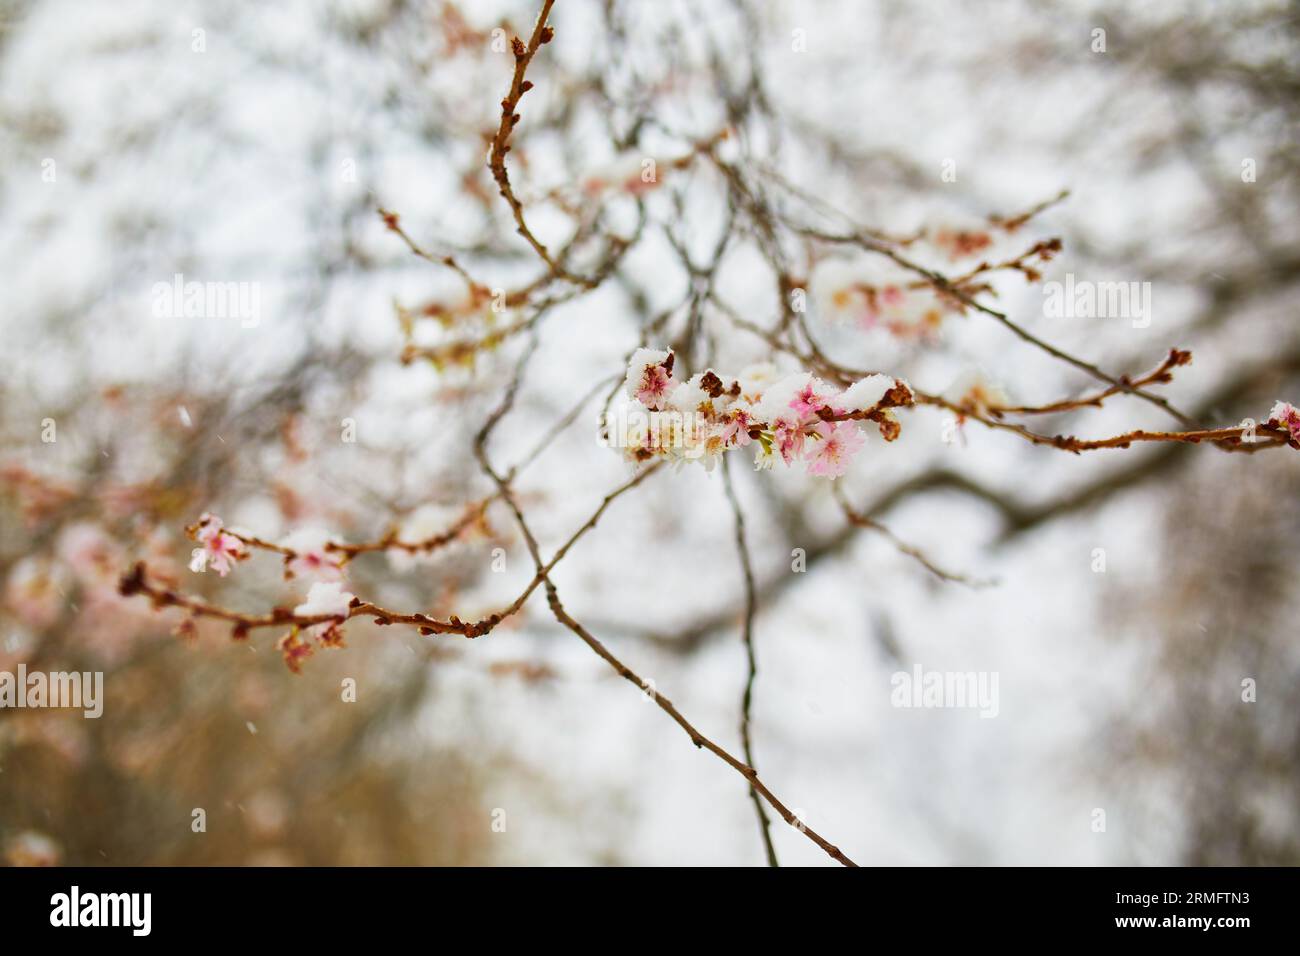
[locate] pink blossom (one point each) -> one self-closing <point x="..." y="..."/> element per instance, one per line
<point x="737" y="428"/>
<point x="312" y="558"/>
<point x="808" y="402"/>
<point x="219" y="550"/>
<point x="789" y="441"/>
<point x="1286" y="414"/>
<point x="655" y="382"/>
<point x="839" y="442"/>
<point x="650" y="378"/>
<point x="782" y="399"/>
<point x="787" y="413"/>
<point x="320" y="564"/>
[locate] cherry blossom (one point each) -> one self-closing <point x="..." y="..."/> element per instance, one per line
<point x="789" y="440"/>
<point x="808" y="402"/>
<point x="793" y="417"/>
<point x="219" y="550"/>
<point x="649" y="377"/>
<point x="1287" y="416"/>
<point x="781" y="400"/>
<point x="311" y="558"/>
<point x="874" y="295"/>
<point x="839" y="442"/>
<point x="736" y="430"/>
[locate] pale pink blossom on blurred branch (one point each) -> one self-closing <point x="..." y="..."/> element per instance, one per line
<point x="219" y="550"/>
<point x="311" y="558"/>
<point x="794" y="417"/>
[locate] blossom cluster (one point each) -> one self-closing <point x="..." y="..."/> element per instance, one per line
<point x="795" y="417"/>
<point x="306" y="555"/>
<point x="872" y="295"/>
<point x="871" y="292"/>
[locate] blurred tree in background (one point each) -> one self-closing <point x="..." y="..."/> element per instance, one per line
<point x="227" y="144"/>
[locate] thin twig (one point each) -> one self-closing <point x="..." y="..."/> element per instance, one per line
<point x="863" y="521"/>
<point x="747" y="633"/>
